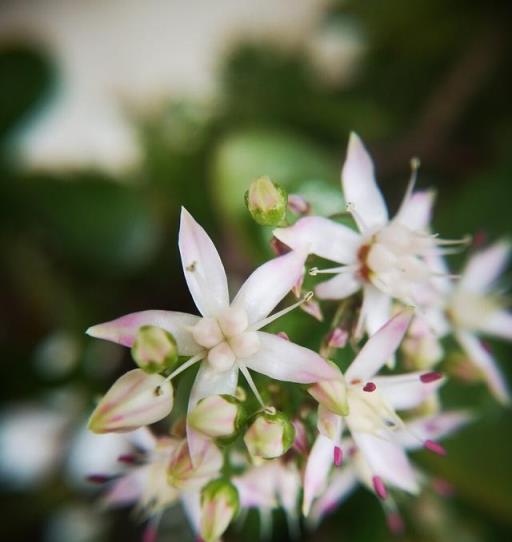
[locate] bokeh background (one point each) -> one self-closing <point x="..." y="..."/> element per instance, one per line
<point x="114" y="113"/>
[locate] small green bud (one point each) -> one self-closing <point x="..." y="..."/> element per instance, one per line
<point x="219" y="505"/>
<point x="154" y="349"/>
<point x="270" y="435"/>
<point x="267" y="202"/>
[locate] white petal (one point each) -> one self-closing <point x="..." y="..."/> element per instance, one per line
<point x="484" y="267"/>
<point x="191" y="501"/>
<point x="432" y="427"/>
<point x="360" y="188"/>
<point x="123" y="330"/>
<point x="485" y="362"/>
<point x="317" y="470"/>
<point x="405" y="391"/>
<point x="128" y="489"/>
<point x="268" y="284"/>
<point x="376" y="309"/>
<point x="379" y="348"/>
<point x="283" y="360"/>
<point x="202" y="267"/>
<point x="208" y="382"/>
<point x="416" y="212"/>
<point x="387" y="459"/>
<point x="323" y="237"/>
<point x="341" y="485"/>
<point x="339" y="287"/>
<point x="499" y="324"/>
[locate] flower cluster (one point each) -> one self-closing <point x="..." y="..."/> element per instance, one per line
<point x="394" y="301"/>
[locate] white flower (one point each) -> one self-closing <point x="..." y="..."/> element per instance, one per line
<point x="370" y="404"/>
<point x="226" y="338"/>
<point x="387" y="258"/>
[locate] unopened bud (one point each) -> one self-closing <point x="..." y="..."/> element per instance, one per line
<point x="219" y="505"/>
<point x="332" y="394"/>
<point x="270" y="435"/>
<point x="267" y="202"/>
<point x="134" y="400"/>
<point x="218" y="416"/>
<point x="337" y="338"/>
<point x="183" y="474"/>
<point x="154" y="349"/>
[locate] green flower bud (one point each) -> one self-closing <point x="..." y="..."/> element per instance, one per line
<point x="267" y="202"/>
<point x="269" y="436"/>
<point x="219" y="505"/>
<point x="154" y="349"/>
<point x="218" y="416"/>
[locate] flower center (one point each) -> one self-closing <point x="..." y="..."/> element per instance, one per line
<point x="226" y="338"/>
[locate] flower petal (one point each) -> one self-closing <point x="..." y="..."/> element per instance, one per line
<point x="208" y="382"/>
<point x="432" y="427"/>
<point x="128" y="489"/>
<point x="405" y="391"/>
<point x="485" y="362"/>
<point x="379" y="348"/>
<point x="341" y="485"/>
<point x="416" y="212"/>
<point x="317" y="471"/>
<point x="323" y="237"/>
<point x="268" y="284"/>
<point x="202" y="267"/>
<point x="124" y="330"/>
<point x="376" y="309"/>
<point x="484" y="267"/>
<point x="283" y="360"/>
<point x="191" y="501"/>
<point x="339" y="287"/>
<point x="360" y="188"/>
<point x="499" y="324"/>
<point x="387" y="459"/>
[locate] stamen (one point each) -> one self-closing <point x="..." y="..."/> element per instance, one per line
<point x="130" y="459"/>
<point x="351" y="209"/>
<point x="100" y="478"/>
<point x="252" y="385"/>
<point x="434" y="447"/>
<point x="314" y="271"/>
<point x="426" y="378"/>
<point x="338" y="456"/>
<point x="266" y="321"/>
<point x="466" y="240"/>
<point x="395" y="523"/>
<point x="369" y="387"/>
<point x="379" y="487"/>
<point x="415" y="164"/>
<point x="184" y="367"/>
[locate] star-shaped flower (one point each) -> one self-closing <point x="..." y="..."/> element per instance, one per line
<point x="226" y="338"/>
<point x="386" y="258"/>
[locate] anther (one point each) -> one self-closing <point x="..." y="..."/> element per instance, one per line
<point x="369" y="387"/>
<point x="434" y="447"/>
<point x="338" y="456"/>
<point x="99" y="478"/>
<point x="426" y="378"/>
<point x="379" y="487"/>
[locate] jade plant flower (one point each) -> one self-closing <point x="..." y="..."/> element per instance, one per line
<point x="367" y="404"/>
<point x="386" y="258"/>
<point x="226" y="338"/>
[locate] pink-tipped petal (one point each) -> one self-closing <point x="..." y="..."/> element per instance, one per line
<point x="269" y="284"/>
<point x="323" y="237"/>
<point x="283" y="360"/>
<point x="484" y="267"/>
<point x="123" y="330"/>
<point x="379" y="348"/>
<point x="339" y="287"/>
<point x="387" y="460"/>
<point x="202" y="267"/>
<point x="317" y="471"/>
<point x="480" y="357"/>
<point x="360" y="188"/>
<point x="406" y="391"/>
<point x="416" y="212"/>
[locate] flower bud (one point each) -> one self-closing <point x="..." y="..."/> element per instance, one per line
<point x="183" y="474"/>
<point x="270" y="436"/>
<point x="154" y="349"/>
<point x="218" y="416"/>
<point x="219" y="505"/>
<point x="134" y="400"/>
<point x="267" y="202"/>
<point x="332" y="394"/>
